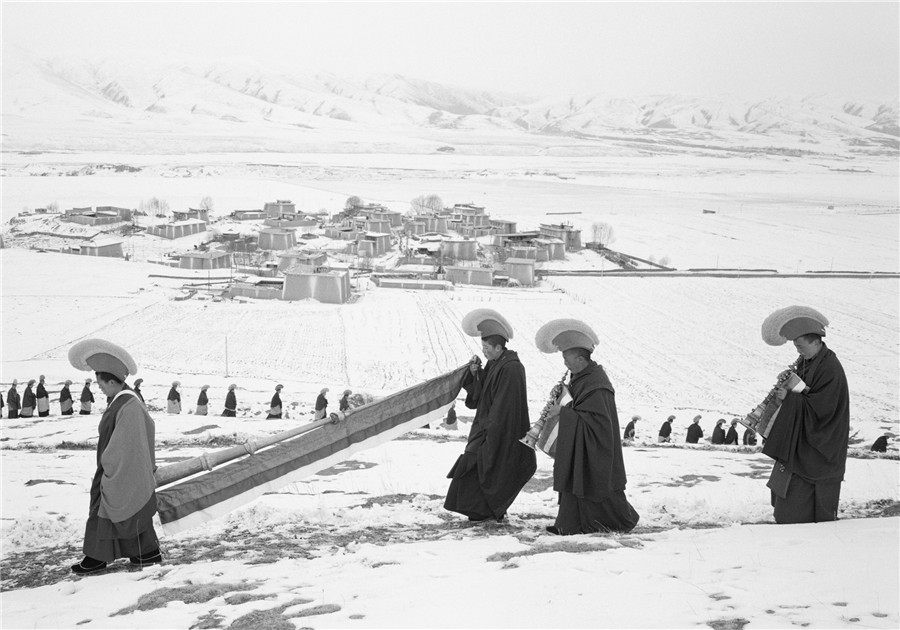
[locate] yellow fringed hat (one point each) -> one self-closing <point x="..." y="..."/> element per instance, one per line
<point x="484" y="322"/>
<point x="790" y="322"/>
<point x="560" y="335"/>
<point x="100" y="355"/>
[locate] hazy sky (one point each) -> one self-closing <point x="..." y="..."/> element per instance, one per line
<point x="751" y="48"/>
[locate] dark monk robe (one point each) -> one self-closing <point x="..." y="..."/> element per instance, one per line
<point x="880" y="445"/>
<point x="230" y="404"/>
<point x="173" y="401"/>
<point x="321" y="406"/>
<point x="588" y="471"/>
<point x="43" y="400"/>
<point x="750" y="437"/>
<point x="809" y="442"/>
<point x="29" y="402"/>
<point x="65" y="401"/>
<point x="495" y="466"/>
<point x="732" y="436"/>
<point x="123" y="492"/>
<point x="87" y="398"/>
<point x="694" y="433"/>
<point x="202" y="403"/>
<point x="274" y="407"/>
<point x="718" y="436"/>
<point x="12" y="402"/>
<point x="665" y="431"/>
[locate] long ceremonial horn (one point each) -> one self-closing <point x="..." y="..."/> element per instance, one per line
<point x="208" y="461"/>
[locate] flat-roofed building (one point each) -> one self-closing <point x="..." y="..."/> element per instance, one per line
<point x="108" y="248"/>
<point x="520" y="270"/>
<point x="564" y="232"/>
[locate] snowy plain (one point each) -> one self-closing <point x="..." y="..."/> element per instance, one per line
<point x="366" y="544"/>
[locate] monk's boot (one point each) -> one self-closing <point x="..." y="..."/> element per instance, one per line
<point x="146" y="559"/>
<point x="88" y="565"/>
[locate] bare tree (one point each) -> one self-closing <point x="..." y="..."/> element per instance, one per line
<point x="603" y="233"/>
<point x="206" y="203"/>
<point x="156" y="207"/>
<point x="426" y="204"/>
<point x="417" y="205"/>
<point x="434" y="203"/>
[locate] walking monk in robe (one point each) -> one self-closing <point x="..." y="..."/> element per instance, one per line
<point x="29" y="402"/>
<point x="811" y="434"/>
<point x="173" y="400"/>
<point x="495" y="466"/>
<point x="588" y="470"/>
<point x="230" y="402"/>
<point x="12" y="400"/>
<point x="65" y="400"/>
<point x="43" y="398"/>
<point x="123" y="492"/>
<point x="202" y="402"/>
<point x="87" y="398"/>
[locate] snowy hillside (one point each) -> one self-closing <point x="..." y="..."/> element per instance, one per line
<point x="367" y="543"/>
<point x="167" y="95"/>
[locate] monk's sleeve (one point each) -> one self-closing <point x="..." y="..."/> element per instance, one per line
<point x="472" y="384"/>
<point x="507" y="418"/>
<point x="127" y="482"/>
<point x="585" y="449"/>
<point x="826" y="411"/>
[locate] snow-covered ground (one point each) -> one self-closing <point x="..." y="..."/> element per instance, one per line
<point x="367" y="543"/>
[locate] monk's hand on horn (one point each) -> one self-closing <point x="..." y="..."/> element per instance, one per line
<point x="335" y="417"/>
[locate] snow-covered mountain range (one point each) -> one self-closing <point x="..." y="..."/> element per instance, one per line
<point x="151" y="92"/>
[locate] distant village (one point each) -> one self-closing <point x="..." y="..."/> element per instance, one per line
<point x="291" y="255"/>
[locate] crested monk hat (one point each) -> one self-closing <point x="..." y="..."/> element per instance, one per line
<point x="100" y="355"/>
<point x="485" y="322"/>
<point x="560" y="335"/>
<point x="790" y="322"/>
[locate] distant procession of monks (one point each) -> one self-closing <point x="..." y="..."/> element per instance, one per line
<point x="37" y="399"/>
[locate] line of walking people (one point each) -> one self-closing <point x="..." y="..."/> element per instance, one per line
<point x="36" y="399"/>
<point x="695" y="432"/>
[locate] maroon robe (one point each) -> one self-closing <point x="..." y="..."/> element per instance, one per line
<point x="809" y="440"/>
<point x="694" y="433"/>
<point x="29" y="402"/>
<point x="589" y="471"/>
<point x="65" y="401"/>
<point x="495" y="466"/>
<point x="230" y="404"/>
<point x="43" y="400"/>
<point x="732" y="436"/>
<point x="12" y="402"/>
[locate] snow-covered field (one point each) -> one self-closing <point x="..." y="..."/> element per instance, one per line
<point x="367" y="544"/>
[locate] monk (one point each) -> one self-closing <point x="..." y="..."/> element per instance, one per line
<point x="495" y="466"/>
